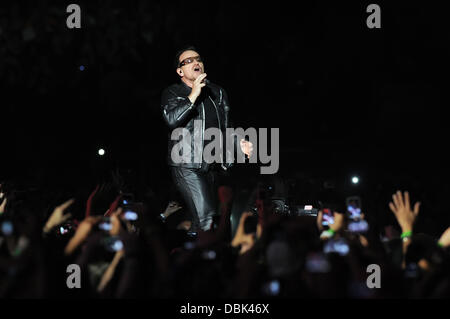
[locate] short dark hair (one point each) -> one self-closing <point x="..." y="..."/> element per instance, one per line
<point x="180" y="52"/>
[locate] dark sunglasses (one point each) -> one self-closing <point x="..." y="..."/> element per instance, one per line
<point x="190" y="60"/>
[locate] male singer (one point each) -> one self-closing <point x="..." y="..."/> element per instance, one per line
<point x="196" y="104"/>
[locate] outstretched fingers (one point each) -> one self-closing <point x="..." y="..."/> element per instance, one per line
<point x="396" y="202"/>
<point x="416" y="208"/>
<point x="66" y="217"/>
<point x="407" y="202"/>
<point x="400" y="202"/>
<point x="66" y="204"/>
<point x="393" y="208"/>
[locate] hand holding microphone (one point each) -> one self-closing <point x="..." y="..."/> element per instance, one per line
<point x="197" y="86"/>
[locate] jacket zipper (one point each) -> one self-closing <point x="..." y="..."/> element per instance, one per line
<point x="184" y="112"/>
<point x="203" y="135"/>
<point x="220" y="129"/>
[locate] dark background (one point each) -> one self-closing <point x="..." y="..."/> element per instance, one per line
<point x="347" y="99"/>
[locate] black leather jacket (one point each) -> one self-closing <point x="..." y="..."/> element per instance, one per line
<point x="178" y="111"/>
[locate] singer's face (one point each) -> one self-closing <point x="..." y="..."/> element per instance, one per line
<point x="192" y="65"/>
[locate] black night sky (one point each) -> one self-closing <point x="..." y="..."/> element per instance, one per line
<point x="347" y="99"/>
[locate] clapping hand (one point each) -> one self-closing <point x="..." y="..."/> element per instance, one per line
<point x="402" y="210"/>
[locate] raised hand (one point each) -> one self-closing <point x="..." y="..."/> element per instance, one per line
<point x="109" y="273"/>
<point x="319" y="220"/>
<point x="242" y="239"/>
<point x="83" y="230"/>
<point x="86" y="226"/>
<point x="402" y="210"/>
<point x="3" y="205"/>
<point x="171" y="208"/>
<point x="335" y="227"/>
<point x="115" y="222"/>
<point x="58" y="217"/>
<point x="444" y="241"/>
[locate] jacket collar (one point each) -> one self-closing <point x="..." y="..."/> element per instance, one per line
<point x="185" y="87"/>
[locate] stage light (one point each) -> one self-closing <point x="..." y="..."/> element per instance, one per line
<point x="81" y="67"/>
<point x="274" y="287"/>
<point x="101" y="152"/>
<point x="355" y="180"/>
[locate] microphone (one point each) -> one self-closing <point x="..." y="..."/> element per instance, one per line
<point x="207" y="88"/>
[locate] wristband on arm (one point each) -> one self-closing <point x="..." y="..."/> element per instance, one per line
<point x="328" y="233"/>
<point x="405" y="236"/>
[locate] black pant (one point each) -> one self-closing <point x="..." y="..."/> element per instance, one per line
<point x="198" y="188"/>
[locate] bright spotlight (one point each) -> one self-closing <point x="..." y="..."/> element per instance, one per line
<point x="101" y="152"/>
<point x="355" y="179"/>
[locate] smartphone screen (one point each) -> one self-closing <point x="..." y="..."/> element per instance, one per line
<point x="105" y="224"/>
<point x="354" y="207"/>
<point x="327" y="216"/>
<point x="127" y="199"/>
<point x="64" y="229"/>
<point x="112" y="244"/>
<point x="360" y="226"/>
<point x="339" y="246"/>
<point x="357" y="223"/>
<point x="130" y="215"/>
<point x="317" y="263"/>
